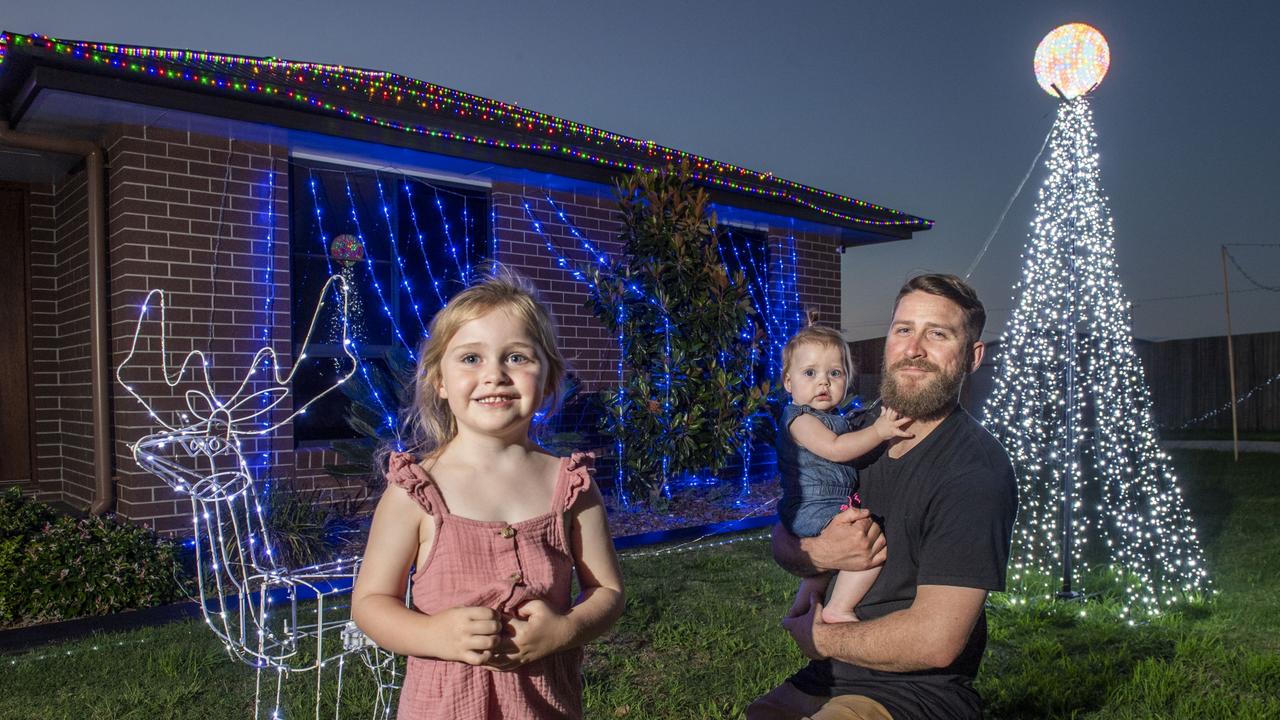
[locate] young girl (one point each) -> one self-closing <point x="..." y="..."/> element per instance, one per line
<point x="493" y="525"/>
<point x="813" y="445"/>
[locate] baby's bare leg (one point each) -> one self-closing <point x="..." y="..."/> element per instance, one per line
<point x="848" y="590"/>
<point x="810" y="587"/>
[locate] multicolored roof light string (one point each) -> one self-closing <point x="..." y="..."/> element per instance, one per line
<point x="392" y="89"/>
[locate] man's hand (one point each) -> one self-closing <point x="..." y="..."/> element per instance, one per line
<point x="803" y="628"/>
<point x="851" y="541"/>
<point x="534" y="632"/>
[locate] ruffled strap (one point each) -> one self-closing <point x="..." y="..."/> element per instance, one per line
<point x="403" y="470"/>
<point x="579" y="469"/>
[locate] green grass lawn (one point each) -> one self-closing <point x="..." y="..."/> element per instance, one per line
<point x="701" y="638"/>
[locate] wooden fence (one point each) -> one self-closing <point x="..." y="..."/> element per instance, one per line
<point x="1188" y="379"/>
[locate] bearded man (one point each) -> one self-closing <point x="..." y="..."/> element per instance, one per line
<point x="943" y="503"/>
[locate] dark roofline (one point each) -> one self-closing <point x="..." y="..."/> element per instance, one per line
<point x="371" y="106"/>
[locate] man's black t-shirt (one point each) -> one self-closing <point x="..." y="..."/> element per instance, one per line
<point x="947" y="509"/>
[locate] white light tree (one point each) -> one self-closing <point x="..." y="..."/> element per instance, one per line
<point x="1071" y="403"/>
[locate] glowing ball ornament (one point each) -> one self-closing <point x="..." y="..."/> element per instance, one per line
<point x="1073" y="57"/>
<point x="346" y="249"/>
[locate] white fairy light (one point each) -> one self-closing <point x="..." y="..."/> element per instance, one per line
<point x="200" y="455"/>
<point x="1069" y="386"/>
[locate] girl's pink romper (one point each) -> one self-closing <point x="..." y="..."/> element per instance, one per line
<point x="474" y="563"/>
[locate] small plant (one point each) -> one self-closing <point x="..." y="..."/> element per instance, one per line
<point x="54" y="567"/>
<point x="307" y="527"/>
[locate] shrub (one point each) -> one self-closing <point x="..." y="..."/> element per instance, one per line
<point x="687" y="402"/>
<point x="54" y="567"/>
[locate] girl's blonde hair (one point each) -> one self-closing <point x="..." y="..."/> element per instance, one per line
<point x="824" y="337"/>
<point x="428" y="423"/>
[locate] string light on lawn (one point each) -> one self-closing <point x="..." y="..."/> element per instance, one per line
<point x="690" y="547"/>
<point x="1071" y="405"/>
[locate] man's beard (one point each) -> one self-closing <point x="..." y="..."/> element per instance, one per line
<point x="930" y="398"/>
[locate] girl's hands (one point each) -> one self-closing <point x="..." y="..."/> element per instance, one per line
<point x="890" y="425"/>
<point x="468" y="634"/>
<point x="534" y="632"/>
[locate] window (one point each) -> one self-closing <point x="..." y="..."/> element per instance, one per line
<point x="405" y="245"/>
<point x="747" y="251"/>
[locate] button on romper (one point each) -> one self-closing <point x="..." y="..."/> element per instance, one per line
<point x="475" y="563"/>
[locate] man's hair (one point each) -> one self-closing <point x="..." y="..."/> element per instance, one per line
<point x="955" y="290"/>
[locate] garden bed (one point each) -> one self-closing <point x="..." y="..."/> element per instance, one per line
<point x="694" y="507"/>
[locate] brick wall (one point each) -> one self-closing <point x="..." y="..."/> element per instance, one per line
<point x="60" y="341"/>
<point x="204" y="218"/>
<point x="589" y="349"/>
<point x="817" y="269"/>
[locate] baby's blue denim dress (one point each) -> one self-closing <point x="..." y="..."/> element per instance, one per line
<point x="813" y="488"/>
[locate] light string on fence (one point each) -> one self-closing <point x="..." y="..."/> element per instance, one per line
<point x="1227" y="405"/>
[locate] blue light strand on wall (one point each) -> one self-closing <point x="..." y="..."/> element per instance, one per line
<point x="775" y="329"/>
<point x="387" y="415"/>
<point x="755" y="286"/>
<point x="422" y="245"/>
<point x="373" y="276"/>
<point x="394" y="243"/>
<point x="448" y="236"/>
<point x="601" y="258"/>
<point x="493" y="230"/>
<point x="779" y="324"/>
<point x="466" y="241"/>
<point x="268" y="309"/>
<point x="562" y="261"/>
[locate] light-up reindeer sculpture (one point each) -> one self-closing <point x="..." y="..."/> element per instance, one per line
<point x="257" y="607"/>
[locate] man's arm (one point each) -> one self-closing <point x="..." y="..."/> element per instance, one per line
<point x="930" y="634"/>
<point x="851" y="541"/>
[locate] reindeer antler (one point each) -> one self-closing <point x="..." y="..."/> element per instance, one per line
<point x="235" y="415"/>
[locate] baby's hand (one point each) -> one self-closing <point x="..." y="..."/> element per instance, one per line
<point x="534" y="632"/>
<point x="890" y="425"/>
<point x="468" y="634"/>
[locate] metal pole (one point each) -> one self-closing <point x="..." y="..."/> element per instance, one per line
<point x="1069" y="452"/>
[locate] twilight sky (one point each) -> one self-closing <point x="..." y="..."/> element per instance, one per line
<point x="930" y="107"/>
